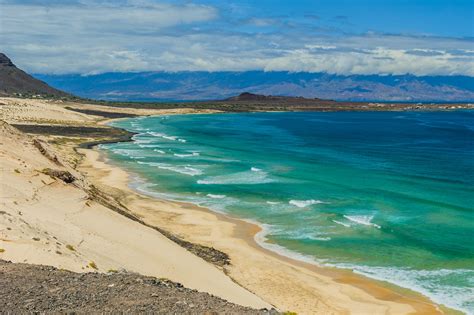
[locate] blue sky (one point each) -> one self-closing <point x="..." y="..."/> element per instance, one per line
<point x="422" y="37"/>
<point x="429" y="17"/>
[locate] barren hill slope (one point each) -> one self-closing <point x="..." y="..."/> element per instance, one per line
<point x="14" y="81"/>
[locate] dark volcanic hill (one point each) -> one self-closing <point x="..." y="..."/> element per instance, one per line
<point x="259" y="98"/>
<point x="16" y="82"/>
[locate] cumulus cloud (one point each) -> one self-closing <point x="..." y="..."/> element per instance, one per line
<point x="88" y="36"/>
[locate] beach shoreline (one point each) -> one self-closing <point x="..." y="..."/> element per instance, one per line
<point x="239" y="231"/>
<point x="270" y="278"/>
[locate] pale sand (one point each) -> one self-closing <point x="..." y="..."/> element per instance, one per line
<point x="283" y="282"/>
<point x="40" y="111"/>
<point x="18" y="110"/>
<point x="40" y="216"/>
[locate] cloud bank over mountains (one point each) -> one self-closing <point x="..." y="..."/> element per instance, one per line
<point x="90" y="37"/>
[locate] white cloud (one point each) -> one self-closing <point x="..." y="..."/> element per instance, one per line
<point x="94" y="37"/>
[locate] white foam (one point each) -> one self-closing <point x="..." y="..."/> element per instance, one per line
<point x="159" y="151"/>
<point x="185" y="170"/>
<point x="165" y="136"/>
<point x="186" y="155"/>
<point x="342" y="223"/>
<point x="216" y="196"/>
<point x="321" y="238"/>
<point x="149" y="145"/>
<point x="241" y="178"/>
<point x="138" y="139"/>
<point x="423" y="281"/>
<point x="254" y="169"/>
<point x="273" y="202"/>
<point x="133" y="154"/>
<point x="305" y="203"/>
<point x="428" y="282"/>
<point x="304" y="233"/>
<point x="362" y="219"/>
<point x="262" y="240"/>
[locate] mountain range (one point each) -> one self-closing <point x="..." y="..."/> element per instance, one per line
<point x="198" y="85"/>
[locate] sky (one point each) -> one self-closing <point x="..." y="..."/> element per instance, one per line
<point x="420" y="37"/>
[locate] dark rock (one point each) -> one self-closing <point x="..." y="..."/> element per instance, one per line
<point x="26" y="288"/>
<point x="15" y="82"/>
<point x="65" y="176"/>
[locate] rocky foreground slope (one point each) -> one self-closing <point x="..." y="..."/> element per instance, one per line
<point x="33" y="288"/>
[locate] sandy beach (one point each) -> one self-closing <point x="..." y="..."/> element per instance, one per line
<point x="45" y="220"/>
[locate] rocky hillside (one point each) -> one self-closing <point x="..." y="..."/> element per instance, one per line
<point x="16" y="82"/>
<point x="28" y="288"/>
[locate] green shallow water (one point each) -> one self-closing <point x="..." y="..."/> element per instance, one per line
<point x="389" y="195"/>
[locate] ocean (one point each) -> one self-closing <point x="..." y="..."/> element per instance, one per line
<point x="389" y="195"/>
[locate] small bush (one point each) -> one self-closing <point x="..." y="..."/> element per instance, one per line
<point x="36" y="239"/>
<point x="70" y="247"/>
<point x="112" y="271"/>
<point x="290" y="313"/>
<point x="93" y="265"/>
<point x="2" y="250"/>
<point x="17" y="171"/>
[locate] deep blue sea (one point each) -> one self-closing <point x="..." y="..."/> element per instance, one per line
<point x="387" y="194"/>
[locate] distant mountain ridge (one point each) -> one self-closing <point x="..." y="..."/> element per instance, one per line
<point x="246" y="96"/>
<point x="16" y="82"/>
<point x="199" y="85"/>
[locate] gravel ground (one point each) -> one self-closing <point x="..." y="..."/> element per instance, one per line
<point x="34" y="288"/>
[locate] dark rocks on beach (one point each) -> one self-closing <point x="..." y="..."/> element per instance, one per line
<point x="26" y="288"/>
<point x="65" y="176"/>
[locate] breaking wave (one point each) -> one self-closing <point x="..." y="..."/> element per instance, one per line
<point x="304" y="203"/>
<point x="362" y="219"/>
<point x="241" y="178"/>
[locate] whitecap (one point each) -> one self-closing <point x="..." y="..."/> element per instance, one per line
<point x="185" y="170"/>
<point x="159" y="151"/>
<point x="254" y="169"/>
<point x="186" y="155"/>
<point x="142" y="141"/>
<point x="241" y="178"/>
<point x="149" y="145"/>
<point x="305" y="235"/>
<point x="342" y="223"/>
<point x="273" y="202"/>
<point x="362" y="219"/>
<point x="305" y="203"/>
<point x="133" y="154"/>
<point x="216" y="196"/>
<point x="162" y="135"/>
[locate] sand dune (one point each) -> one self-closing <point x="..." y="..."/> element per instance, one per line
<point x="47" y="221"/>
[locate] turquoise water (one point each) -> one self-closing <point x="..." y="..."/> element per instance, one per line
<point x="387" y="194"/>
